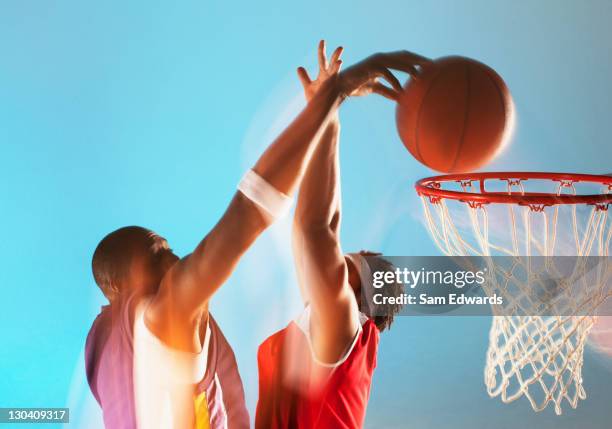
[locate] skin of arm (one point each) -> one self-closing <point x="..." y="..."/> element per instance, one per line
<point x="181" y="303"/>
<point x="176" y="311"/>
<point x="321" y="267"/>
<point x="320" y="264"/>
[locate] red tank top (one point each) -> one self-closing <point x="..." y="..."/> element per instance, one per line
<point x="296" y="391"/>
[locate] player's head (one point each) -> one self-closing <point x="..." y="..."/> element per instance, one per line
<point x="131" y="259"/>
<point x="357" y="263"/>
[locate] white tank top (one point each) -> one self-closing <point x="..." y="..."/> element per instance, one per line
<point x="165" y="379"/>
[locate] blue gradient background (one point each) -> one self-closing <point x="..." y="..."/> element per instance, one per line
<point x="116" y="113"/>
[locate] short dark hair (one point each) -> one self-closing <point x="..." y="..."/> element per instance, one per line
<point x="113" y="257"/>
<point x="386" y="313"/>
<point x="381" y="314"/>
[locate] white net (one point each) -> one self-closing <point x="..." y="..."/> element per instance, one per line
<point x="536" y="347"/>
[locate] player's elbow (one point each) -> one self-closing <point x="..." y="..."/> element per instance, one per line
<point x="307" y="224"/>
<point x="319" y="232"/>
<point x="321" y="242"/>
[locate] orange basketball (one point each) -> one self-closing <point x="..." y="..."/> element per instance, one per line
<point x="455" y="116"/>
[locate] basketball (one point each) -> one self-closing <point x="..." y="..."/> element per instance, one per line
<point x="456" y="115"/>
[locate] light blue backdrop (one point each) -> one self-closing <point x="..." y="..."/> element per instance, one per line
<point x="115" y="113"/>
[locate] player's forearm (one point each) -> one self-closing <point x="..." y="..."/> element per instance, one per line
<point x="281" y="166"/>
<point x="329" y="137"/>
<point x="319" y="198"/>
<point x="284" y="161"/>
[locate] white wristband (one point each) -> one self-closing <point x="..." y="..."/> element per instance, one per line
<point x="273" y="202"/>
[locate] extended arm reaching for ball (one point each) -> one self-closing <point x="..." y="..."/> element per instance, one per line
<point x="181" y="302"/>
<point x="320" y="263"/>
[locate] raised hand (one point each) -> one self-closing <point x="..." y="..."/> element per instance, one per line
<point x="364" y="77"/>
<point x="327" y="69"/>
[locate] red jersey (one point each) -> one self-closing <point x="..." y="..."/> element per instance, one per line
<point x="298" y="392"/>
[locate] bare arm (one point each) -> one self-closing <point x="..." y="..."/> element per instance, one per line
<point x="182" y="299"/>
<point x="320" y="264"/>
<point x="175" y="313"/>
<point x="319" y="260"/>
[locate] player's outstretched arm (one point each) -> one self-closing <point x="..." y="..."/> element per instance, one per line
<point x="320" y="263"/>
<point x="176" y="310"/>
<point x="186" y="288"/>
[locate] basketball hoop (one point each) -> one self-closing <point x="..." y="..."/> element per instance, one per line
<point x="520" y="215"/>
